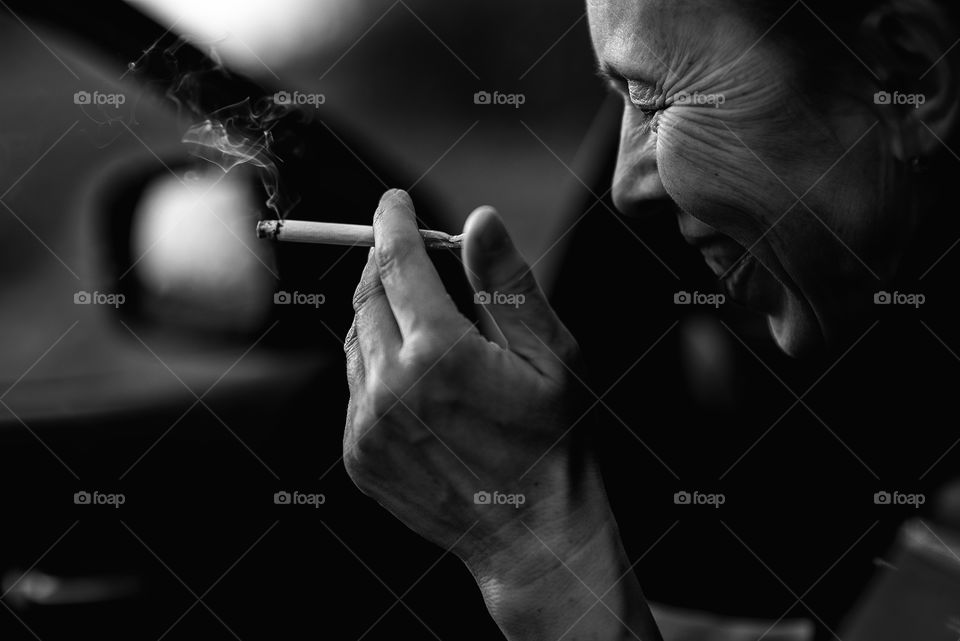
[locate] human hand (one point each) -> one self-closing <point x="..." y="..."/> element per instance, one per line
<point x="439" y="412"/>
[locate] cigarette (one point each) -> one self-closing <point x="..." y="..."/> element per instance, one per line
<point x="304" y="231"/>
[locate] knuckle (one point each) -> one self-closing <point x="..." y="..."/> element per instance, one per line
<point x="354" y="370"/>
<point x="351" y="345"/>
<point x="422" y="353"/>
<point x="392" y="253"/>
<point x="364" y="292"/>
<point x="521" y="281"/>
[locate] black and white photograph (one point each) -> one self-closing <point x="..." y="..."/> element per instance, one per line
<point x="561" y="320"/>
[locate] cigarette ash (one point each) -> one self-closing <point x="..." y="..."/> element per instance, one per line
<point x="269" y="229"/>
<point x="234" y="122"/>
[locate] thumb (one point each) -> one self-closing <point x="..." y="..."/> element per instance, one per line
<point x="506" y="287"/>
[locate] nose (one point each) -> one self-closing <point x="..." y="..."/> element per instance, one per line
<point x="637" y="188"/>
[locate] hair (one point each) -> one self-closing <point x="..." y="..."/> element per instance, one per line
<point x="843" y="17"/>
<point x="824" y="38"/>
<point x="815" y="31"/>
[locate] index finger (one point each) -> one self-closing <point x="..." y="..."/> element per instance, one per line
<point x="417" y="296"/>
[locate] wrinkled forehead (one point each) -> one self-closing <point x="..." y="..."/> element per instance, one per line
<point x="647" y="38"/>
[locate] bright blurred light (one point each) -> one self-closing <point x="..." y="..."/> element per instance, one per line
<point x="199" y="257"/>
<point x="257" y="35"/>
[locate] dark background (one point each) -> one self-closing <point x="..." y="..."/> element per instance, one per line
<point x="111" y="405"/>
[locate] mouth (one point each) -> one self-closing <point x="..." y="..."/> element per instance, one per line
<point x="741" y="274"/>
<point x="756" y="279"/>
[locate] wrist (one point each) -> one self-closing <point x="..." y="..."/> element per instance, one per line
<point x="549" y="580"/>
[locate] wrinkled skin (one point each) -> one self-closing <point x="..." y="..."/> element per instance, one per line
<point x="412" y="355"/>
<point x="487" y="411"/>
<point x="440" y="410"/>
<point x="737" y="169"/>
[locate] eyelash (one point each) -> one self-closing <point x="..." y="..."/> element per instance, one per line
<point x="620" y="88"/>
<point x="646" y="110"/>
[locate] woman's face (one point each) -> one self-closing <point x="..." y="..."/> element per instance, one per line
<point x="778" y="187"/>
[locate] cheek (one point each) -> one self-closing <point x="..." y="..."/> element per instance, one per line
<point x="713" y="177"/>
<point x="723" y="162"/>
<point x="740" y="166"/>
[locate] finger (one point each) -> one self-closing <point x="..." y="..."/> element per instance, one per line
<point x="351" y="347"/>
<point x="417" y="296"/>
<point x="355" y="375"/>
<point x="507" y="288"/>
<point x="377" y="334"/>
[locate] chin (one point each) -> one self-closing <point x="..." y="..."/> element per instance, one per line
<point x="797" y="335"/>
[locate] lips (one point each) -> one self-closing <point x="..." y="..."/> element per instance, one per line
<point x="722" y="254"/>
<point x="744" y="278"/>
<point x="757" y="279"/>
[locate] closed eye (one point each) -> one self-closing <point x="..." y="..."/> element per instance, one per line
<point x="640" y="95"/>
<point x="646" y="110"/>
<point x="620" y="86"/>
<point x="643" y="97"/>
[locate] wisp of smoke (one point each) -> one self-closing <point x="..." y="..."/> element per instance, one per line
<point x="231" y="127"/>
<point x="241" y="134"/>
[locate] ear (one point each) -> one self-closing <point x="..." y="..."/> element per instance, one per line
<point x="913" y="51"/>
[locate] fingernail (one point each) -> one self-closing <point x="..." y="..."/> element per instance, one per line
<point x="395" y="195"/>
